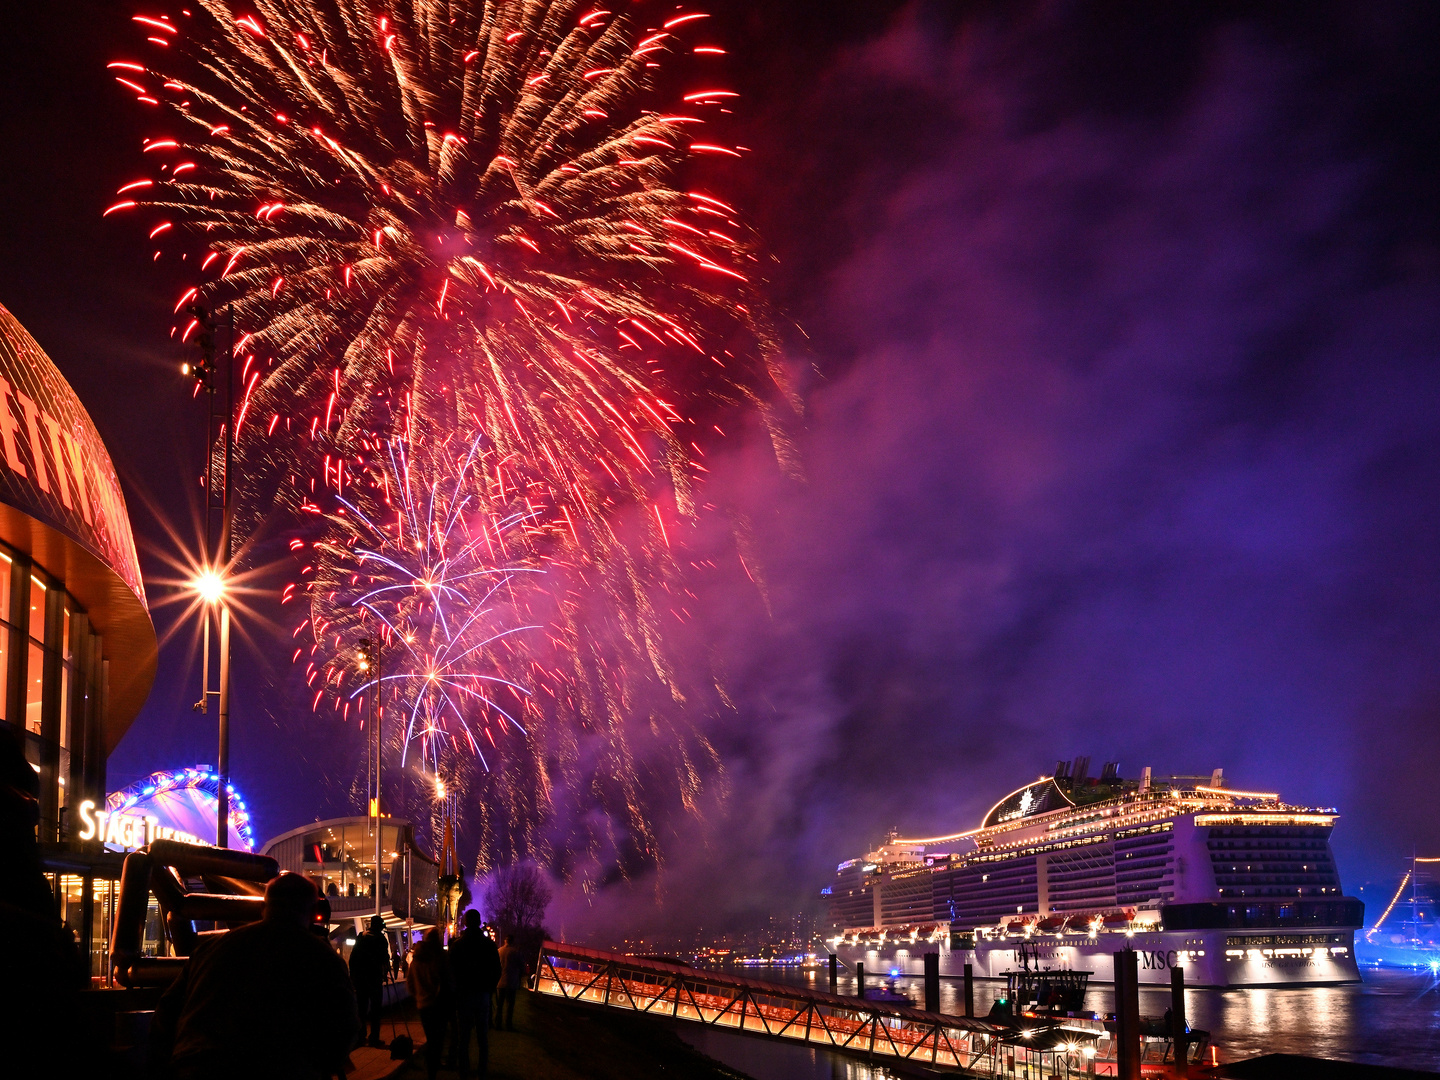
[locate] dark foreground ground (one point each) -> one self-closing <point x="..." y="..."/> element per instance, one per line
<point x="554" y="1040"/>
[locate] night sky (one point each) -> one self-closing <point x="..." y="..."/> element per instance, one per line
<point x="1118" y="330"/>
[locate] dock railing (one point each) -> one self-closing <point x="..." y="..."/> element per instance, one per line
<point x="847" y="1024"/>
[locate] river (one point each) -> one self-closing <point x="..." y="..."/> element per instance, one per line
<point x="1391" y="1018"/>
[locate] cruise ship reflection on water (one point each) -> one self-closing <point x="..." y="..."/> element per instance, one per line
<point x="1391" y="1018"/>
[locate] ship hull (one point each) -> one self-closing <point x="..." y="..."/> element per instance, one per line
<point x="1208" y="958"/>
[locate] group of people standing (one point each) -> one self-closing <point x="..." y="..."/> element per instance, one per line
<point x="454" y="990"/>
<point x="274" y="999"/>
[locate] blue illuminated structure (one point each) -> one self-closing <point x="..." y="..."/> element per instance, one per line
<point x="185" y="800"/>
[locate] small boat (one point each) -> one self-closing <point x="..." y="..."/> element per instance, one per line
<point x="1037" y="991"/>
<point x="888" y="994"/>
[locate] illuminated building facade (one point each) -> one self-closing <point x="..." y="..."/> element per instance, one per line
<point x="339" y="857"/>
<point x="77" y="647"/>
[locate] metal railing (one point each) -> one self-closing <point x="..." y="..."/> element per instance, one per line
<point x="846" y="1024"/>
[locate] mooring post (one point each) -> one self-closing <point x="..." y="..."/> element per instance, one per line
<point x="834" y="972"/>
<point x="860" y="981"/>
<point x="969" y="990"/>
<point x="1178" y="1035"/>
<point x="932" y="982"/>
<point x="1127" y="1016"/>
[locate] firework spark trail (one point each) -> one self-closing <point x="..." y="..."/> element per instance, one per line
<point x="422" y="555"/>
<point x="425" y="575"/>
<point x="468" y="212"/>
<point x="478" y="220"/>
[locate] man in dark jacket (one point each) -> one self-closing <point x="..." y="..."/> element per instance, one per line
<point x="268" y="999"/>
<point x="369" y="965"/>
<point x="476" y="963"/>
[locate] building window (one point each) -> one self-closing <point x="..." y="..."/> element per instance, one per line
<point x="35" y="666"/>
<point x="343" y="857"/>
<point x="67" y="674"/>
<point x="6" y="631"/>
<point x="107" y="897"/>
<point x="67" y="680"/>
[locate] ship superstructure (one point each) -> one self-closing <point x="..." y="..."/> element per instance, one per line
<point x="1238" y="886"/>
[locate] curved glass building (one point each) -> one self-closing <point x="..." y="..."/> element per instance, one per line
<point x="77" y="647"/>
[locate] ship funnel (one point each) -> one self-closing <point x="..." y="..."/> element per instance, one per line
<point x="1217" y="778"/>
<point x="1145" y="778"/>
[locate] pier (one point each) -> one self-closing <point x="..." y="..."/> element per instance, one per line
<point x="848" y="1025"/>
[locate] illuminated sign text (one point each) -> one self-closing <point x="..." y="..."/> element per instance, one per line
<point x="127" y="831"/>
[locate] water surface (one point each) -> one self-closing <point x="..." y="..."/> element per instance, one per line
<point x="1391" y="1018"/>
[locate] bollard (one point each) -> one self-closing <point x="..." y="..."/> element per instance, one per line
<point x="1178" y="1034"/>
<point x="834" y="972"/>
<point x="932" y="982"/>
<point x="1127" y="1016"/>
<point x="969" y="990"/>
<point x="860" y="981"/>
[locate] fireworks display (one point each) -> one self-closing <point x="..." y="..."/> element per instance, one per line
<point x="412" y="561"/>
<point x="493" y="654"/>
<point x="468" y="212"/>
<point x="484" y="304"/>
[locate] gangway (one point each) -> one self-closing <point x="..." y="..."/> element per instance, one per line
<point x="1029" y="1048"/>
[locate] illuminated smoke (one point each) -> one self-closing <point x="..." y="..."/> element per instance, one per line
<point x="491" y="224"/>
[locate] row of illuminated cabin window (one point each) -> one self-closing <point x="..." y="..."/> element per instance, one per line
<point x="985" y="897"/>
<point x="1083" y="875"/>
<point x="1251" y="862"/>
<point x="1075" y="881"/>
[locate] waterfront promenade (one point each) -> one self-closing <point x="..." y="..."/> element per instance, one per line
<point x="554" y="1040"/>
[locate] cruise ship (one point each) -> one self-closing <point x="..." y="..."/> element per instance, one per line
<point x="1237" y="887"/>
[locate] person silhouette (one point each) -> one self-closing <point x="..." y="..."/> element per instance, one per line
<point x="512" y="977"/>
<point x="476" y="964"/>
<point x="41" y="970"/>
<point x="369" y="966"/>
<point x="432" y="987"/>
<point x="267" y="999"/>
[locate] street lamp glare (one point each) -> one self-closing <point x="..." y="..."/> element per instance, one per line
<point x="210" y="586"/>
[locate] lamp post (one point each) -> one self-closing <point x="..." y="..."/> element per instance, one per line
<point x="369" y="661"/>
<point x="210" y="587"/>
<point x="209" y="584"/>
<point x="222" y="788"/>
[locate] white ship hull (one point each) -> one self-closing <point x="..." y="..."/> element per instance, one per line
<point x="1208" y="957"/>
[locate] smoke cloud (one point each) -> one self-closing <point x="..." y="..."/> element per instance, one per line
<point x="1121" y="440"/>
